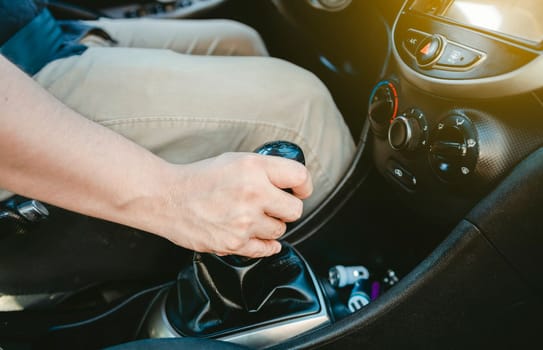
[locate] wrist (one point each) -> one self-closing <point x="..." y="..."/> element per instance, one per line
<point x="150" y="201"/>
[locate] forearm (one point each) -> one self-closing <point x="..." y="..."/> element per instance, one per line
<point x="52" y="153"/>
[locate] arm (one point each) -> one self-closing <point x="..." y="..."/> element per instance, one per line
<point x="231" y="204"/>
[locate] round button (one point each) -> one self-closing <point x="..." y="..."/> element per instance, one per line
<point x="430" y="50"/>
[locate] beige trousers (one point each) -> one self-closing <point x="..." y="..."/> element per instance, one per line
<point x="193" y="89"/>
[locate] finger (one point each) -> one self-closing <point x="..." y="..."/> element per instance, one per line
<point x="283" y="206"/>
<point x="304" y="190"/>
<point x="258" y="248"/>
<point x="287" y="173"/>
<point x="269" y="228"/>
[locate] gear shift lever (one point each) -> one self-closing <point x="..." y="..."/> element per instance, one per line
<point x="217" y="295"/>
<point x="283" y="149"/>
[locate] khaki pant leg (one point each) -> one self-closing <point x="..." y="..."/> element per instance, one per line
<point x="196" y="37"/>
<point x="186" y="108"/>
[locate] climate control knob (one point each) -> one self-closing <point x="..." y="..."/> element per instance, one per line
<point x="454" y="148"/>
<point x="408" y="131"/>
<point x="383" y="107"/>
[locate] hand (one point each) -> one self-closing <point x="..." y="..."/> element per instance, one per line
<point x="234" y="203"/>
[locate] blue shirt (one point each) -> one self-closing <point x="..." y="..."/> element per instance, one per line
<point x="17" y="14"/>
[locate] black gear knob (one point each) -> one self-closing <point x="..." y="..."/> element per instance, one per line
<point x="283" y="149"/>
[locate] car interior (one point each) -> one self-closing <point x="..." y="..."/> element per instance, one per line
<point x="432" y="239"/>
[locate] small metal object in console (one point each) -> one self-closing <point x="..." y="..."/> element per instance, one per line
<point x="33" y="210"/>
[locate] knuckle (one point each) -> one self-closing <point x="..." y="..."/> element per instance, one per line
<point x="297" y="209"/>
<point x="234" y="244"/>
<point x="249" y="193"/>
<point x="249" y="162"/>
<point x="259" y="252"/>
<point x="280" y="231"/>
<point x="270" y="250"/>
<point x="243" y="223"/>
<point x="253" y="254"/>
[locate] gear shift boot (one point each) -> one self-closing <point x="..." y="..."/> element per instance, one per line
<point x="216" y="296"/>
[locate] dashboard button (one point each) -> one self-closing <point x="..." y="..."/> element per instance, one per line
<point x="458" y="57"/>
<point x="402" y="175"/>
<point x="412" y="40"/>
<point x="430" y="50"/>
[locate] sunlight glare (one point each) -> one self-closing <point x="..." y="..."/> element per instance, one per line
<point x="481" y="15"/>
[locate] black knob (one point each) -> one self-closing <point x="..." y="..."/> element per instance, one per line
<point x="454" y="148"/>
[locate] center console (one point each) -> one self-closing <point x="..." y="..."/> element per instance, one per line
<point x="461" y="103"/>
<point x="255" y="303"/>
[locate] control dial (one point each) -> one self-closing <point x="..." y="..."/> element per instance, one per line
<point x="383" y="107"/>
<point x="409" y="131"/>
<point x="454" y="148"/>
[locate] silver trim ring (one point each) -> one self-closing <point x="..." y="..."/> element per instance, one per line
<point x="408" y="136"/>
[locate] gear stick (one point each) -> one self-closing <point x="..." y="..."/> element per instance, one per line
<point x="218" y="295"/>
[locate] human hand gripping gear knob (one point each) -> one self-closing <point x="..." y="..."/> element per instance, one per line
<point x="236" y="203"/>
<point x="284" y="149"/>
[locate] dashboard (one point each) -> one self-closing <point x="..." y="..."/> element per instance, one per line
<point x="457" y="39"/>
<point x="461" y="104"/>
